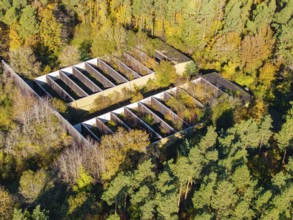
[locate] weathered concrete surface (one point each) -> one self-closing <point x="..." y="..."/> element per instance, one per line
<point x="88" y="103"/>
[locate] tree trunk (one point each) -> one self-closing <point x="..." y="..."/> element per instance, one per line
<point x="97" y="12"/>
<point x="115" y="204"/>
<point x="91" y="12"/>
<point x="179" y="194"/>
<point x="153" y="26"/>
<point x="175" y="19"/>
<point x="187" y="187"/>
<point x="163" y="30"/>
<point x="284" y="157"/>
<point x="125" y="204"/>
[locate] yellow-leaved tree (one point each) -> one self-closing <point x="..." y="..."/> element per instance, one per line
<point x="118" y="148"/>
<point x="50" y="29"/>
<point x="14" y="39"/>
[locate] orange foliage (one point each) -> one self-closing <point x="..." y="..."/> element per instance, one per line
<point x="255" y="49"/>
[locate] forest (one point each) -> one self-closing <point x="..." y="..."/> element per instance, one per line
<point x="238" y="166"/>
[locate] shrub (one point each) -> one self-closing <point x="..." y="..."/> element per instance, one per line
<point x="59" y="105"/>
<point x="138" y="96"/>
<point x="191" y="70"/>
<point x="165" y="74"/>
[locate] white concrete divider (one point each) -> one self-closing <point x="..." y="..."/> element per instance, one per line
<point x="55" y="86"/>
<point x="86" y="81"/>
<point x="103" y="127"/>
<point x="111" y="72"/>
<point x="71" y="84"/>
<point x="142" y="107"/>
<point x="130" y="114"/>
<point x="88" y="130"/>
<point x="116" y="119"/>
<point x="143" y="69"/>
<point x="99" y="76"/>
<point x="126" y="68"/>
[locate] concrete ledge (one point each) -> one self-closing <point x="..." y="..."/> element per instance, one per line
<point x="88" y="103"/>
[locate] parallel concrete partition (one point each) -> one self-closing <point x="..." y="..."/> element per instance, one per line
<point x="117" y="120"/>
<point x="159" y="100"/>
<point x="86" y="81"/>
<point x="199" y="103"/>
<point x="101" y="78"/>
<point x="209" y="86"/>
<point x="103" y="128"/>
<point x="86" y="129"/>
<point x="179" y="91"/>
<point x="207" y="95"/>
<point x="167" y="111"/>
<point x="127" y="70"/>
<point x="142" y="56"/>
<point x="111" y="72"/>
<point x="136" y="65"/>
<point x="168" y="130"/>
<point x="41" y="85"/>
<point x="57" y="88"/>
<point x="167" y="96"/>
<point x="64" y="77"/>
<point x="160" y="56"/>
<point x="140" y="124"/>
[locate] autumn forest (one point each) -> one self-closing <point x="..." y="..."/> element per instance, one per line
<point x="238" y="164"/>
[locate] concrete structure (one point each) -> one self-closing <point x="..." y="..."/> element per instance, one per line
<point x="228" y="87"/>
<point x="80" y="85"/>
<point x="153" y="114"/>
<point x="28" y="89"/>
<point x="133" y="116"/>
<point x="168" y="53"/>
<point x="156" y="107"/>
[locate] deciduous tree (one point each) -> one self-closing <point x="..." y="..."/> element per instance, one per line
<point x="33" y="184"/>
<point x="165" y="74"/>
<point x="116" y="147"/>
<point x="69" y="55"/>
<point x="24" y="61"/>
<point x="50" y="29"/>
<point x="7" y="204"/>
<point x="256" y="49"/>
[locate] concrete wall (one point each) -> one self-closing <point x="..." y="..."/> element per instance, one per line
<point x="27" y="90"/>
<point x="88" y="103"/>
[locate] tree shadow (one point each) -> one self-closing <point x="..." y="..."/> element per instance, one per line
<point x="46" y="57"/>
<point x="85" y="50"/>
<point x="55" y="200"/>
<point x="226" y="120"/>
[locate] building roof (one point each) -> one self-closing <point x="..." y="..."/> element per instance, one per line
<point x="171" y="54"/>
